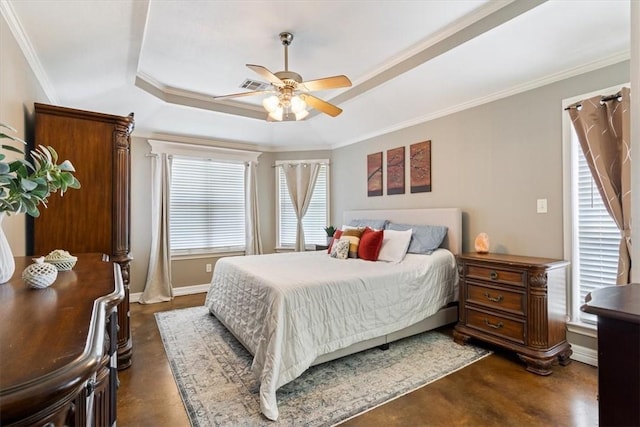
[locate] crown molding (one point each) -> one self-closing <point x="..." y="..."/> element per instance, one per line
<point x="203" y="101"/>
<point x="10" y="17"/>
<point x="514" y="90"/>
<point x="450" y="30"/>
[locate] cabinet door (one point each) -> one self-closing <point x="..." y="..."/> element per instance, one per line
<point x="81" y="220"/>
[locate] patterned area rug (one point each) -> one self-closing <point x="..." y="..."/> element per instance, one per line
<point x="213" y="373"/>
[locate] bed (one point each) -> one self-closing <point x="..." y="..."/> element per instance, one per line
<point x="295" y="310"/>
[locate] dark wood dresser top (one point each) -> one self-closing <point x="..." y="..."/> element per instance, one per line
<point x="49" y="337"/>
<point x="515" y="260"/>
<point x="617" y="302"/>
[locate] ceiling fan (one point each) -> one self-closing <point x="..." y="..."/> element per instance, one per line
<point x="290" y="93"/>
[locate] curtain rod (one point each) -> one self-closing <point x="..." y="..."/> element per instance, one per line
<point x="294" y="162"/>
<point x="617" y="96"/>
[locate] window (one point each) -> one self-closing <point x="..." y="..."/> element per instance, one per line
<point x="316" y="217"/>
<point x="207" y="206"/>
<point x="591" y="236"/>
<point x="597" y="239"/>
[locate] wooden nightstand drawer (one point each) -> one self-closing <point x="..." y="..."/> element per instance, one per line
<point x="496" y="325"/>
<point x="498" y="275"/>
<point x="497" y="298"/>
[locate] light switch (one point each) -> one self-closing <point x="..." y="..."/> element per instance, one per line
<point x="542" y="206"/>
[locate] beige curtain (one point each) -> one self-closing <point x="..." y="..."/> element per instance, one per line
<point x="301" y="180"/>
<point x="603" y="129"/>
<point x="253" y="243"/>
<point x="158" y="285"/>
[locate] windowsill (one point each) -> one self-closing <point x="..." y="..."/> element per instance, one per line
<point x="585" y="329"/>
<point x="309" y="247"/>
<point x="205" y="255"/>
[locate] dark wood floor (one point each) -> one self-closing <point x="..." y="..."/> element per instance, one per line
<point x="495" y="391"/>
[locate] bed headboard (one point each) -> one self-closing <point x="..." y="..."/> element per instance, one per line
<point x="450" y="217"/>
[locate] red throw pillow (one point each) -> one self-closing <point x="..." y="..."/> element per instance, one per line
<point x="336" y="236"/>
<point x="370" y="244"/>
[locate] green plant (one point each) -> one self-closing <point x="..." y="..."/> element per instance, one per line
<point x="24" y="184"/>
<point x="330" y="230"/>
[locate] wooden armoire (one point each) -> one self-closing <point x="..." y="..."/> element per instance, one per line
<point x="96" y="217"/>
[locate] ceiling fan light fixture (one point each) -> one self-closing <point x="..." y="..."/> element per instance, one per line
<point x="297" y="104"/>
<point x="276" y="114"/>
<point x="301" y="115"/>
<point x="271" y="104"/>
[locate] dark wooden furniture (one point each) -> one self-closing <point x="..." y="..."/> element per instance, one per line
<point x="321" y="247"/>
<point x="59" y="346"/>
<point x="515" y="302"/>
<point x="96" y="217"/>
<point x="618" y="311"/>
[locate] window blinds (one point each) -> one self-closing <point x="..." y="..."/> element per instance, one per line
<point x="598" y="236"/>
<point x="315" y="219"/>
<point x="207" y="206"/>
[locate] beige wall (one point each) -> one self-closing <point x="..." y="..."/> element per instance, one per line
<point x="19" y="89"/>
<point x="493" y="161"/>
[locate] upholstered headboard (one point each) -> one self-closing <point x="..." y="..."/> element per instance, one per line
<point x="450" y="217"/>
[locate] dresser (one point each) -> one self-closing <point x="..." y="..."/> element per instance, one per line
<point x="618" y="311"/>
<point x="515" y="302"/>
<point x="96" y="217"/>
<point x="59" y="346"/>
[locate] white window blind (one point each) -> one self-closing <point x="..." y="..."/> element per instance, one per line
<point x="597" y="238"/>
<point x="316" y="217"/>
<point x="207" y="206"/>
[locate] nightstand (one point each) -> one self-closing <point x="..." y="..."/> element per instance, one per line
<point x="515" y="302"/>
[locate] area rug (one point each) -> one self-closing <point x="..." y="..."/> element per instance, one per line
<point x="213" y="373"/>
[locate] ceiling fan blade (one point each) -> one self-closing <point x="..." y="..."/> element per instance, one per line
<point x="239" y="95"/>
<point x="321" y="105"/>
<point x="271" y="78"/>
<point x="327" y="83"/>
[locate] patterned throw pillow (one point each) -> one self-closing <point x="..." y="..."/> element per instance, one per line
<point x="341" y="249"/>
<point x="353" y="235"/>
<point x="336" y="237"/>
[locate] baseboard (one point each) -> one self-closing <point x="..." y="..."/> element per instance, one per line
<point x="584" y="355"/>
<point x="177" y="292"/>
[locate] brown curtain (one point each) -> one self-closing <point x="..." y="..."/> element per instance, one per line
<point x="603" y="129"/>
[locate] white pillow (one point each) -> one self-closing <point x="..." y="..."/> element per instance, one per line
<point x="394" y="245"/>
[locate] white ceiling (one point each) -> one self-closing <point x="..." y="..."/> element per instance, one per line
<point x="409" y="61"/>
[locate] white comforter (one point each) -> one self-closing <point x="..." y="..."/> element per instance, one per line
<point x="288" y="309"/>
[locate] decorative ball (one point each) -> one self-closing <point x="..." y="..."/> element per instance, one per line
<point x="482" y="243"/>
<point x="40" y="274"/>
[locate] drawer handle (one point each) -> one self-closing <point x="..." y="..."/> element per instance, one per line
<point x="493" y="325"/>
<point x="493" y="275"/>
<point x="492" y="299"/>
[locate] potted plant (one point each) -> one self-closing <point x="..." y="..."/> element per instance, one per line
<point x="330" y="230"/>
<point x="25" y="185"/>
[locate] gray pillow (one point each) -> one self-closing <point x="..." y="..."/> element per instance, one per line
<point x="378" y="224"/>
<point x="425" y="238"/>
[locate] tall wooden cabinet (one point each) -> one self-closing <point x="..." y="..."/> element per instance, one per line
<point x="96" y="217"/>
